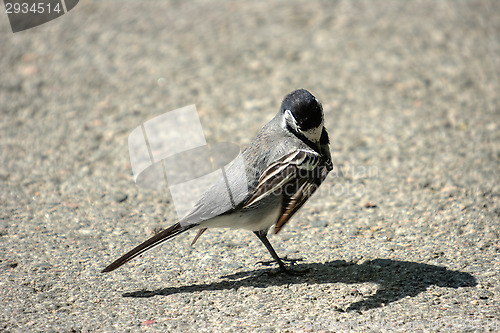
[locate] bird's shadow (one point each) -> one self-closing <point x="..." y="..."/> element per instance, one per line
<point x="395" y="279"/>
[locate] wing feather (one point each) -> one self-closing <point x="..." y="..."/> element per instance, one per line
<point x="292" y="203"/>
<point x="295" y="177"/>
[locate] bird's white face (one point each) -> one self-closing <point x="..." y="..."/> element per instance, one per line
<point x="312" y="134"/>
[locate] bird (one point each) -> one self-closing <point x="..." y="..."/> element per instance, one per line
<point x="283" y="166"/>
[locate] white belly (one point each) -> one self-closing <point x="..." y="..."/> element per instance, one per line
<point x="249" y="220"/>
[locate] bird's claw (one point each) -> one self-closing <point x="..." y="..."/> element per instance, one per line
<point x="285" y="259"/>
<point x="284" y="269"/>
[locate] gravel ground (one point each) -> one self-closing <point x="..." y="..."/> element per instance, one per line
<point x="403" y="236"/>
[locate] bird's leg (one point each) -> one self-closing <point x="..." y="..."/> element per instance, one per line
<point x="263" y="238"/>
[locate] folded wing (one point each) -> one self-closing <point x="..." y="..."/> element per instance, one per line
<point x="294" y="177"/>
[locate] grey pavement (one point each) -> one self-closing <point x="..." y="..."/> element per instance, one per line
<point x="403" y="236"/>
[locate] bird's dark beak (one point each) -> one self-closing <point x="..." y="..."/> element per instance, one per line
<point x="329" y="165"/>
<point x="325" y="150"/>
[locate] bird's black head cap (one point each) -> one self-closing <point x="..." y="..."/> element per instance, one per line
<point x="305" y="108"/>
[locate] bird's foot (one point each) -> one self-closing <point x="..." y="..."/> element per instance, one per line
<point x="285" y="259"/>
<point x="284" y="269"/>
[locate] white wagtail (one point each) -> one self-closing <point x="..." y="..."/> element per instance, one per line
<point x="283" y="166"/>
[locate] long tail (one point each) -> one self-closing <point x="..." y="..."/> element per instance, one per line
<point x="156" y="240"/>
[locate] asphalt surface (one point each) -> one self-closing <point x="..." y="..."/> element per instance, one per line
<point x="403" y="236"/>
